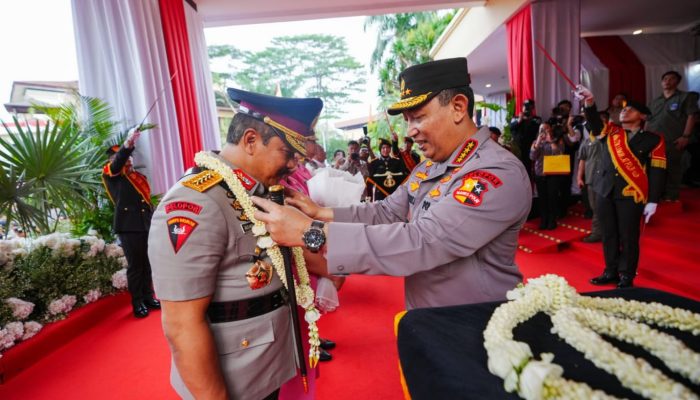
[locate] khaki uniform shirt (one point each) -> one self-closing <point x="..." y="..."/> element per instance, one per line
<point x="669" y="115"/>
<point x="200" y="245"/>
<point x="451" y="229"/>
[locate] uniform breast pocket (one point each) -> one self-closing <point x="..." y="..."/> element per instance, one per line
<point x="236" y="336"/>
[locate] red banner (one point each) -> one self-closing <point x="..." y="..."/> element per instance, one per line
<point x="627" y="164"/>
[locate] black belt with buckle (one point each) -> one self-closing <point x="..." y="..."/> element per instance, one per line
<point x="229" y="311"/>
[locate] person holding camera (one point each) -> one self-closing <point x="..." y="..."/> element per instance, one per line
<point x="353" y="164"/>
<point x="524" y="130"/>
<point x="549" y="142"/>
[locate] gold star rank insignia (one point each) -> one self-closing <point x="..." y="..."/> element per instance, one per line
<point x="435" y="192"/>
<point x="414" y="186"/>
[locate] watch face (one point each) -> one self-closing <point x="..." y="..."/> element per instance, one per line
<point x="314" y="239"/>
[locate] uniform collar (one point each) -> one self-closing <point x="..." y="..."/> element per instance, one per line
<point x="463" y="153"/>
<point x="252" y="186"/>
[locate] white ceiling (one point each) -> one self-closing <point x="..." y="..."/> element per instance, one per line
<point x="237" y="12"/>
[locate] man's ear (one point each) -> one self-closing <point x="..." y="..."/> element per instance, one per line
<point x="249" y="140"/>
<point x="460" y="108"/>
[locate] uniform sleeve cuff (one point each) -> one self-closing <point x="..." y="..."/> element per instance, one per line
<point x="341" y="258"/>
<point x="342" y="214"/>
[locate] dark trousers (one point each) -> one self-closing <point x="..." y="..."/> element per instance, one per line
<point x="620" y="220"/>
<point x="548" y="192"/>
<point x="138" y="275"/>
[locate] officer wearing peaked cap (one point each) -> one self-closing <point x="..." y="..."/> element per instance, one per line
<point x="130" y="193"/>
<point x="225" y="312"/>
<point x="451" y="229"/>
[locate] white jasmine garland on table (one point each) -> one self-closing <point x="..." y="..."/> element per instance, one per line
<point x="304" y="292"/>
<point x="580" y="320"/>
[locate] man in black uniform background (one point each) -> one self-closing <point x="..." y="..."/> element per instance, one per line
<point x="131" y="195"/>
<point x="385" y="173"/>
<point x="628" y="182"/>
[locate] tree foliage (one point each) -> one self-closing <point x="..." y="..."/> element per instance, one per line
<point x="304" y="65"/>
<point x="52" y="171"/>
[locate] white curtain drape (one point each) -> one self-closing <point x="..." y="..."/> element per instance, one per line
<point x="594" y="75"/>
<point x="664" y="52"/>
<point x="556" y="26"/>
<point x="496" y="118"/>
<point x="122" y="60"/>
<point x="202" y="77"/>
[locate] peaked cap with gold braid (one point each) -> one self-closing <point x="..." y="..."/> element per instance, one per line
<point x="420" y="83"/>
<point x="292" y="119"/>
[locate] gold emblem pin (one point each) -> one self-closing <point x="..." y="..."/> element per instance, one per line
<point x="245" y="343"/>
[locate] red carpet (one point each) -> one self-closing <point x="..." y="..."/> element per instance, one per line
<point x="124" y="358"/>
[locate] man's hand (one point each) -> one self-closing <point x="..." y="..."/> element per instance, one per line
<point x="584" y="94"/>
<point x="681" y="143"/>
<point x="285" y="224"/>
<point x="132" y="137"/>
<point x="303" y="203"/>
<point x="649" y="210"/>
<point x="579" y="181"/>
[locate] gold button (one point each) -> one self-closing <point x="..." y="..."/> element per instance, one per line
<point x="126" y="209"/>
<point x="245" y="343"/>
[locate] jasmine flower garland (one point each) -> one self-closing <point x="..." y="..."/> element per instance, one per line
<point x="577" y="319"/>
<point x="304" y="293"/>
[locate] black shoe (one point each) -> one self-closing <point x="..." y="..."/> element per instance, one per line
<point x="592" y="239"/>
<point x="543" y="226"/>
<point x="140" y="310"/>
<point x="327" y="344"/>
<point x="625" y="282"/>
<point x="152" y="304"/>
<point x="325" y="356"/>
<point x="552" y="226"/>
<point x="606" y="278"/>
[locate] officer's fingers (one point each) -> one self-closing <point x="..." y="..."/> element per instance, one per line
<point x="265" y="204"/>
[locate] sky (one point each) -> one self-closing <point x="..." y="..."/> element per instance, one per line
<point x="38" y="44"/>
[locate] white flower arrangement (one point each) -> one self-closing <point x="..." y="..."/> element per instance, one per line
<point x="62" y="305"/>
<point x="304" y="292"/>
<point x="20" y="308"/>
<point x="92" y="296"/>
<point x="59" y="244"/>
<point x="119" y="280"/>
<point x="580" y="320"/>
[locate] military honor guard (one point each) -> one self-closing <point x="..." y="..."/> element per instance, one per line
<point x="130" y="193"/>
<point x="386" y="173"/>
<point x="451" y="228"/>
<point x="628" y="183"/>
<point x="226" y="314"/>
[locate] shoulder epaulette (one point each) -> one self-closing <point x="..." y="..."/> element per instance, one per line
<point x="203" y="181"/>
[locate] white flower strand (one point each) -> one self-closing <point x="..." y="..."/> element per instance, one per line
<point x="533" y="379"/>
<point x="304" y="292"/>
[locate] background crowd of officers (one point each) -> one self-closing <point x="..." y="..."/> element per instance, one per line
<point x="673" y="115"/>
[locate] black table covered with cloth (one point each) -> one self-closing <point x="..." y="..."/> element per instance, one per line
<point x="443" y="357"/>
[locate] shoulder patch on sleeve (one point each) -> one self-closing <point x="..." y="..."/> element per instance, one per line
<point x="179" y="229"/>
<point x="474" y="186"/>
<point x="203" y="181"/>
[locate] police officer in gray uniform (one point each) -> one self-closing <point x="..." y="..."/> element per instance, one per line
<point x="451" y="229"/>
<point x="225" y="312"/>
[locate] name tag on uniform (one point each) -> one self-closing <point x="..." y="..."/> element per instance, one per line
<point x="673" y="106"/>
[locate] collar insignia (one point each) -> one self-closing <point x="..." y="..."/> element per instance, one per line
<point x="247" y="182"/>
<point x="466" y="151"/>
